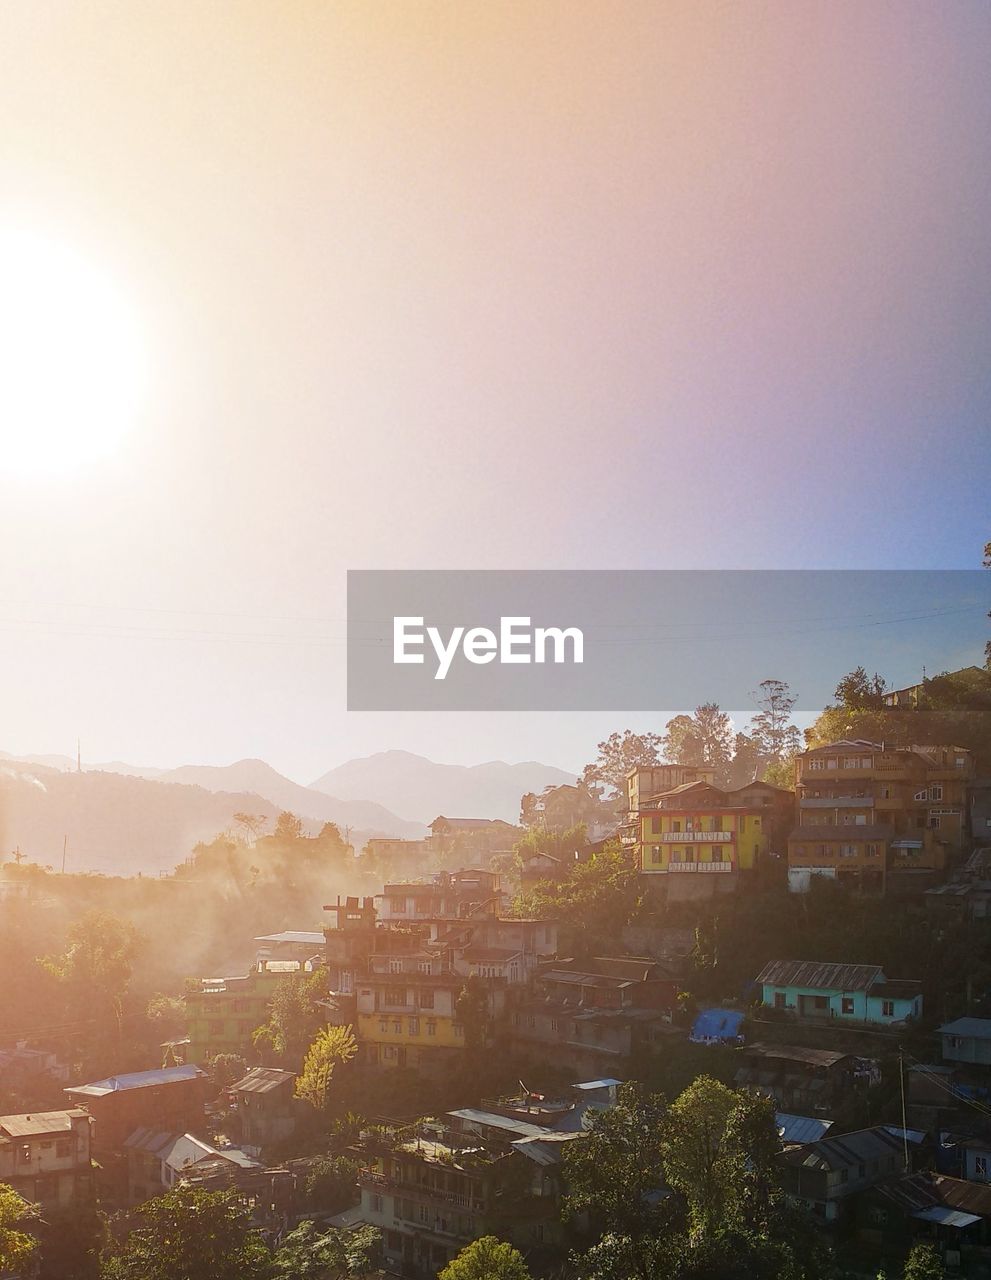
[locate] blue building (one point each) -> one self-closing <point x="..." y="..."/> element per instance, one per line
<point x="815" y="990"/>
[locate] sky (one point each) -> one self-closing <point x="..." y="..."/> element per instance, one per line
<point x="473" y="285"/>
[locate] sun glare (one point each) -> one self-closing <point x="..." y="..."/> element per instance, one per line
<point x="71" y="361"/>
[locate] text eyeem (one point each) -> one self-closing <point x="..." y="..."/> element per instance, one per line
<point x="516" y="641"/>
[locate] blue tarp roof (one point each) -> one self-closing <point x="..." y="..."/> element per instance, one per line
<point x="716" y="1024"/>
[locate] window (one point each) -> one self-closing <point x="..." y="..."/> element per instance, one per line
<point x="848" y="850"/>
<point x="676" y="824"/>
<point x="934" y="822"/>
<point x="24" y="1153"/>
<point x="887" y="1008"/>
<point x="63" y="1148"/>
<point x="655" y="853"/>
<point x="426" y="999"/>
<point x="423" y="966"/>
<point x="431" y="1026"/>
<point x="554" y="1024"/>
<point x="459" y="1031"/>
<point x="936" y="793"/>
<point x="383" y="1026"/>
<point x="395" y="966"/>
<point x="397" y="906"/>
<point x="414" y="1026"/>
<point x="817" y="763"/>
<point x="821" y="1002"/>
<point x="830" y="762"/>
<point x="655" y="826"/>
<point x="873" y="850"/>
<point x="531" y="1021"/>
<point x="779" y="999"/>
<point x="981" y="1166"/>
<point x="375" y="1204"/>
<point x="397" y="1027"/>
<point x="716" y="824"/>
<point x="921" y="795"/>
<point x="847" y="1004"/>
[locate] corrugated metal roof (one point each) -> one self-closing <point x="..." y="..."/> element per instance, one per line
<point x="822" y="975"/>
<point x="947" y="1217"/>
<point x="800" y="1129"/>
<point x="263" y="1080"/>
<point x="489" y="1120"/>
<point x="309" y="939"/>
<point x="974" y="1028"/>
<point x="138" y="1080"/>
<point x="24" y="1126"/>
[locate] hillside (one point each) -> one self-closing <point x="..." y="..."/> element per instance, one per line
<point x="420" y="789"/>
<point x="122" y="825"/>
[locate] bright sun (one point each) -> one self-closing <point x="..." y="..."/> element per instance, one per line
<point x="71" y="359"/>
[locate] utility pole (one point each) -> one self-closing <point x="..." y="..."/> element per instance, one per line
<point x="65" y="845"/>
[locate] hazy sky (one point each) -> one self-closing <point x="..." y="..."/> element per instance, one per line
<point x="493" y="285"/>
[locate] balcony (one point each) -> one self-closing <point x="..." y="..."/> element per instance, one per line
<point x="836" y="802"/>
<point x="691" y="837"/>
<point x="380" y="1182"/>
<point x="701" y="866"/>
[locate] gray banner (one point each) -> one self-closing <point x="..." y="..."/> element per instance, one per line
<point x="639" y="640"/>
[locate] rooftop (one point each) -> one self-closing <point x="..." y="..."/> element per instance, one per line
<point x="304" y="938"/>
<point x="263" y="1080"/>
<point x="820" y="975"/>
<point x="972" y="1028"/>
<point x="138" y="1080"/>
<point x="25" y="1126"/>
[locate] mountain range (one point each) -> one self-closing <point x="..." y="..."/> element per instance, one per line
<point x="120" y="820"/>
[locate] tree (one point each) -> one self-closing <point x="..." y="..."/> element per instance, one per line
<point x="487" y="1259"/>
<point x="295" y="1017"/>
<point x="747" y="762"/>
<point x="612" y="1172"/>
<point x="923" y="1263"/>
<point x="592" y="903"/>
<point x="309" y="1254"/>
<point x="618" y="754"/>
<point x="225" y="1069"/>
<point x="703" y="738"/>
<point x="95" y="971"/>
<point x="331" y="1184"/>
<point x="858" y="690"/>
<point x="698" y="1161"/>
<point x="188" y="1234"/>
<point x="16" y="1246"/>
<point x="332" y="1047"/>
<point x="771" y="727"/>
<point x="288" y="826"/>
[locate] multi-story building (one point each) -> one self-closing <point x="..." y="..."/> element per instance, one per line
<point x="872" y="813"/>
<point x="702" y="829"/>
<point x="45" y="1157"/>
<point x="459" y="841"/>
<point x="448" y="895"/>
<point x="166" y="1098"/>
<point x="647" y="781"/>
<point x="158" y="1161"/>
<point x="348" y="942"/>
<point x="567" y="805"/>
<point x="434" y="1187"/>
<point x="224" y="1014"/>
<point x="592" y="1017"/>
<point x="407" y="1000"/>
<point x="265" y="1106"/>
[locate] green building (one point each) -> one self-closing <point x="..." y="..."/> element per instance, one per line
<point x="224" y="1014"/>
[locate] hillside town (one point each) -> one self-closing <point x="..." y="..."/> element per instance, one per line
<point x="396" y="1078"/>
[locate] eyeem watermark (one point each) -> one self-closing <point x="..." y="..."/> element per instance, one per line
<point x="649" y="640"/>
<point x="516" y="641"/>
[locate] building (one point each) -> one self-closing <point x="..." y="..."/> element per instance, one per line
<point x="967" y="1040"/>
<point x="562" y="807"/>
<point x="877" y="815"/>
<point x="647" y="781"/>
<point x="394" y="857"/>
<point x="813" y="991"/>
<point x="823" y="1175"/>
<point x="914" y="695"/>
<point x="264" y="1104"/>
<point x="158" y="1161"/>
<point x="45" y="1157"/>
<point x="463" y="841"/>
<point x="224" y="1014"/>
<point x="433" y="1187"/>
<point x="799" y="1079"/>
<point x="591" y="1018"/>
<point x="697" y="828"/>
<point x="949" y="1213"/>
<point x="291" y="944"/>
<point x="348" y="942"/>
<point x="167" y="1098"/>
<point x="448" y="895"/>
<point x="30" y="1075"/>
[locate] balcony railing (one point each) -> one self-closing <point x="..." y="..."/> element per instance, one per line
<point x="690" y="837"/>
<point x="380" y="1182"/>
<point x="700" y="866"/>
<point x="836" y="802"/>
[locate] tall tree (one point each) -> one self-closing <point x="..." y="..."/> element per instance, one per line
<point x="923" y="1263"/>
<point x="295" y="1017"/>
<point x="188" y="1234"/>
<point x="332" y="1048"/>
<point x="487" y="1258"/>
<point x="617" y="755"/>
<point x="703" y="738"/>
<point x="771" y="727"/>
<point x="858" y="690"/>
<point x="698" y="1161"/>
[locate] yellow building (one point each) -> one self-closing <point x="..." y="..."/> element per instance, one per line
<point x="697" y="828"/>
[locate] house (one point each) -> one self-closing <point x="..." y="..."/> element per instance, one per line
<point x="223" y="1015"/>
<point x="799" y="1079"/>
<point x="166" y="1098"/>
<point x="448" y="895"/>
<point x="800" y="1130"/>
<point x="814" y="990"/>
<point x="647" y="781"/>
<point x="157" y="1161"/>
<point x="699" y="828"/>
<point x="465" y="840"/>
<point x="45" y="1157"/>
<point x="348" y="942"/>
<point x="967" y="1040"/>
<point x="915" y="694"/>
<point x="264" y="1102"/>
<point x="290" y="944"/>
<point x="823" y="1175"/>
<point x="952" y="1214"/>
<point x="562" y="807"/>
